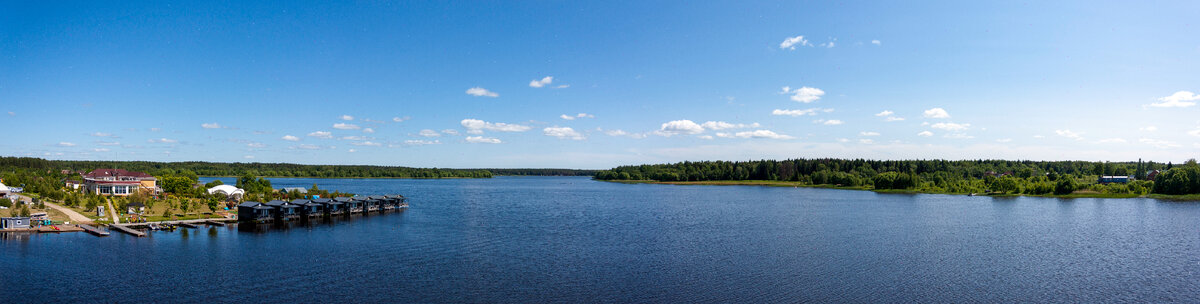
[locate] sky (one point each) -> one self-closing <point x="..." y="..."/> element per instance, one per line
<point x="593" y="85"/>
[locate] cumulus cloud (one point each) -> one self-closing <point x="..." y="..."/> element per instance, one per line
<point x="791" y="42"/>
<point x="102" y="134"/>
<point x="451" y="132"/>
<point x="475" y="126"/>
<point x="868" y="133"/>
<point x="925" y="134"/>
<point x="478" y="91"/>
<point x="573" y="117"/>
<point x="831" y="122"/>
<point x="885" y="113"/>
<point x="347" y="117"/>
<point x="755" y="134"/>
<point x="804" y="94"/>
<point x="321" y="134"/>
<point x="1161" y="144"/>
<point x="66" y="144"/>
<point x="256" y="145"/>
<point x="429" y="133"/>
<point x="290" y="138"/>
<point x="563" y="133"/>
<point x="305" y="147"/>
<point x="937" y="113"/>
<point x="949" y="126"/>
<point x="721" y="125"/>
<point x="1181" y="99"/>
<point x="163" y="141"/>
<point x="679" y="127"/>
<point x="366" y="143"/>
<point x="399" y="119"/>
<point x="352" y="137"/>
<point x="876" y="42"/>
<point x="351" y="150"/>
<point x="211" y="125"/>
<point x="346" y="126"/>
<point x="1069" y="134"/>
<point x="108" y="143"/>
<point x="626" y="134"/>
<point x="1148" y="129"/>
<point x="542" y="82"/>
<point x="794" y="113"/>
<point x="100" y="150"/>
<point x="482" y="140"/>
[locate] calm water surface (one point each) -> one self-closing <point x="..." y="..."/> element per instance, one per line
<point x="570" y="239"/>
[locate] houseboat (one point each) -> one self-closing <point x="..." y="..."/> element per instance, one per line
<point x="255" y="212"/>
<point x="370" y="204"/>
<point x="330" y="206"/>
<point x="309" y="208"/>
<point x="284" y="210"/>
<point x="352" y="205"/>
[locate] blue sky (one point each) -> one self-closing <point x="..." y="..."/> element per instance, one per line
<point x="596" y="85"/>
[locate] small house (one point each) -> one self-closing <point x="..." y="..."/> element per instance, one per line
<point x="370" y="203"/>
<point x="330" y="206"/>
<point x="352" y="205"/>
<point x="309" y="208"/>
<point x="14" y="223"/>
<point x="284" y="210"/>
<point x="254" y="212"/>
<point x="1152" y="174"/>
<point x="135" y="208"/>
<point x="1107" y="179"/>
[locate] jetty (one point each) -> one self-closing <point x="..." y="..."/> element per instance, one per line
<point x="131" y="231"/>
<point x="93" y="230"/>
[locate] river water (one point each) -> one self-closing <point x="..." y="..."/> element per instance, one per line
<point x="571" y="239"/>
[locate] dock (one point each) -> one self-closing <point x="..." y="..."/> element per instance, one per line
<point x="215" y="223"/>
<point x="189" y="225"/>
<point x="93" y="230"/>
<point x="128" y="230"/>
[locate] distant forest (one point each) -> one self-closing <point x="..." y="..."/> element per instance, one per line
<point x="9" y="164"/>
<point x="939" y="176"/>
<point x="541" y="172"/>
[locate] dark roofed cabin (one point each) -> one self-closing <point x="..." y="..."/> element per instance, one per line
<point x="352" y="205"/>
<point x="309" y="208"/>
<point x="254" y="212"/>
<point x="330" y="206"/>
<point x="284" y="210"/>
<point x="370" y="203"/>
<point x="401" y="201"/>
<point x="386" y="202"/>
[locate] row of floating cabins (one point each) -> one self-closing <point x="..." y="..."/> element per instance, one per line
<point x="278" y="210"/>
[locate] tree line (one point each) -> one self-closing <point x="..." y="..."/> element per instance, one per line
<point x="10" y="164"/>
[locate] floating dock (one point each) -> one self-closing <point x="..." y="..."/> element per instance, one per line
<point x="215" y="223"/>
<point x="189" y="225"/>
<point x="93" y="230"/>
<point x="128" y="230"/>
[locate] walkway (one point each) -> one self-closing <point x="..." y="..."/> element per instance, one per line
<point x="74" y="216"/>
<point x="113" y="212"/>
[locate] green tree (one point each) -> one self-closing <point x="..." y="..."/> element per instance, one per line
<point x="176" y="184"/>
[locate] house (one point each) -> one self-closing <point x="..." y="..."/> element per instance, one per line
<point x="400" y="200"/>
<point x="301" y="190"/>
<point x="284" y="210"/>
<point x="14" y="223"/>
<point x="4" y="191"/>
<point x="135" y="208"/>
<point x="353" y="206"/>
<point x="1114" y="179"/>
<point x="309" y="208"/>
<point x="73" y="184"/>
<point x="1152" y="174"/>
<point x="254" y="212"/>
<point x="118" y="182"/>
<point x="370" y="204"/>
<point x="330" y="206"/>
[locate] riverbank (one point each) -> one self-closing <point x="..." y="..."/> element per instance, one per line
<point x="767" y="183"/>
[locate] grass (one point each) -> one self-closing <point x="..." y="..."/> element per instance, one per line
<point x="767" y="183"/>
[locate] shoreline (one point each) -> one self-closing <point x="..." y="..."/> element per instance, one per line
<point x="1190" y="197"/>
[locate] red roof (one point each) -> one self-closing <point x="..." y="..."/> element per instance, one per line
<point x="101" y="173"/>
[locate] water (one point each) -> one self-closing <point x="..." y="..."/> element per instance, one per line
<point x="571" y="239"/>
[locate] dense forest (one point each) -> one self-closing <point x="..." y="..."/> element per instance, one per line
<point x="9" y="164"/>
<point x="936" y="176"/>
<point x="541" y="172"/>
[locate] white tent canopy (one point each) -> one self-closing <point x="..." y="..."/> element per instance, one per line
<point x="228" y="190"/>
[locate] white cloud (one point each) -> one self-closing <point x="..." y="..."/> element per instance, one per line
<point x="305" y="147"/>
<point x="721" y="125"/>
<point x="888" y="115"/>
<point x="354" y="137"/>
<point x="429" y="133"/>
<point x="826" y="45"/>
<point x="345" y="126"/>
<point x="804" y="94"/>
<point x="541" y="83"/>
<point x="1039" y="136"/>
<point x="1069" y="134"/>
<point x="211" y="125"/>
<point x="451" y="132"/>
<point x="421" y="142"/>
<point x="368" y="130"/>
<point x="958" y="136"/>
<point x="1004" y="140"/>
<point x="866" y="141"/>
<point x="290" y="138"/>
<point x="398" y="119"/>
<point x="256" y="145"/>
<point x="1111" y="141"/>
<point x="163" y="141"/>
<point x="949" y="126"/>
<point x="101" y="134"/>
<point x="155" y="129"/>
<point x="937" y="113"/>
<point x="1148" y="129"/>
<point x="351" y="150"/>
<point x="626" y="134"/>
<point x="707" y="137"/>
<point x="812" y="111"/>
<point x="366" y="143"/>
<point x="321" y="134"/>
<point x="478" y="91"/>
<point x="482" y="140"/>
<point x="1181" y="99"/>
<point x="679" y="127"/>
<point x="108" y="143"/>
<point x="876" y="42"/>
<point x="756" y="134"/>
<point x="867" y="133"/>
<point x="1194" y="132"/>
<point x="885" y="113"/>
<point x="831" y="122"/>
<point x="791" y="42"/>
<point x="563" y="133"/>
<point x="580" y="115"/>
<point x="347" y="117"/>
<point x="893" y="118"/>
<point x="475" y="126"/>
<point x="1161" y="144"/>
<point x="100" y="150"/>
<point x="248" y="156"/>
<point x="925" y="134"/>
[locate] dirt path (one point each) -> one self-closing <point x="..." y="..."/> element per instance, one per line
<point x="113" y="211"/>
<point x="75" y="216"/>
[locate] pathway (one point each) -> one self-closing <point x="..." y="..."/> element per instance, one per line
<point x="74" y="216"/>
<point x="113" y="212"/>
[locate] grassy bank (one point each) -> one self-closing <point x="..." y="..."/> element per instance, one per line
<point x="768" y="183"/>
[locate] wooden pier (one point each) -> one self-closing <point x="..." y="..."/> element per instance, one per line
<point x="128" y="230"/>
<point x="189" y="225"/>
<point x="93" y="230"/>
<point x="215" y="223"/>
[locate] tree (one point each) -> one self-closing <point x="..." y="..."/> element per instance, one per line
<point x="214" y="183"/>
<point x="6" y="203"/>
<point x="176" y="184"/>
<point x="1065" y="185"/>
<point x="24" y="211"/>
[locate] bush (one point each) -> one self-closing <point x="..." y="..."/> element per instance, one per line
<point x="6" y="203"/>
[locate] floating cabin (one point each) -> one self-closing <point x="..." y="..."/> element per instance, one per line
<point x="369" y="204"/>
<point x="309" y="208"/>
<point x="330" y="206"/>
<point x="255" y="212"/>
<point x="352" y="205"/>
<point x="284" y="210"/>
<point x="385" y="202"/>
<point x="399" y="200"/>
